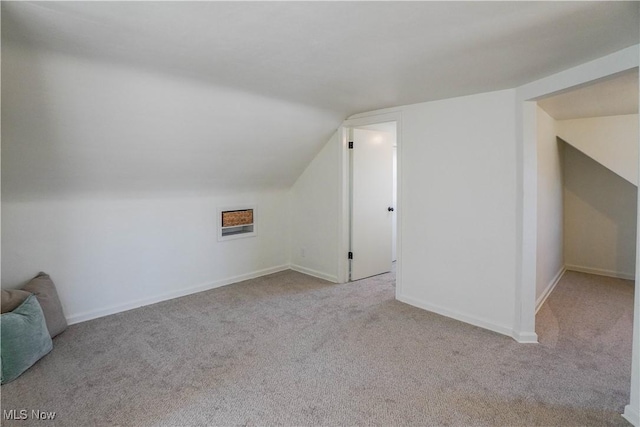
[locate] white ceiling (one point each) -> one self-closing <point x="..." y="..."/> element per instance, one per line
<point x="349" y="57"/>
<point x="109" y="96"/>
<point x="613" y="96"/>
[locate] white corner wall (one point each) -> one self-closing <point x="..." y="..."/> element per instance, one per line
<point x="112" y="176"/>
<point x="549" y="258"/>
<point x="612" y="141"/>
<point x="315" y="214"/>
<point x="458" y="230"/>
<point x="601" y="177"/>
<point x="599" y="218"/>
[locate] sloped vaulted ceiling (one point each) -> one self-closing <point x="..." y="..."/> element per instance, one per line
<point x="158" y="96"/>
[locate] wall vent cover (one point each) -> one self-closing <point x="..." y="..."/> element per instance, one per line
<point x="238" y="222"/>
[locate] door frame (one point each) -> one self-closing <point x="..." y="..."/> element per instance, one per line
<point x="527" y="173"/>
<point x="354" y="121"/>
<point x="526" y="207"/>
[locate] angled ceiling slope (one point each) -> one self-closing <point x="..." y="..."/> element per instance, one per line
<point x="613" y="96"/>
<point x="191" y="95"/>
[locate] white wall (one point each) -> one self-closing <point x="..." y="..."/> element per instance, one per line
<point x="550" y="262"/>
<point x="457" y="178"/>
<point x="600" y="218"/>
<point x="111" y="177"/>
<point x="315" y="212"/>
<point x="586" y="213"/>
<point x="74" y="126"/>
<point x="108" y="255"/>
<point x="458" y="194"/>
<point x="612" y="141"/>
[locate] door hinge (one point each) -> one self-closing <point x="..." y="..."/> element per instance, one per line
<point x="350" y="145"/>
<point x="350" y="256"/>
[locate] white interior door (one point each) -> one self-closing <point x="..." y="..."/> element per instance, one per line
<point x="371" y="201"/>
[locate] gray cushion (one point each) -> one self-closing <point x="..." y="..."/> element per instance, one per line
<point x="43" y="288"/>
<point x="24" y="339"/>
<point x="12" y="298"/>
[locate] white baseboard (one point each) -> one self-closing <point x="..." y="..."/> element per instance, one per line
<point x="525" y="337"/>
<point x="631" y="415"/>
<point x="314" y="273"/>
<point x="94" y="314"/>
<point x="550" y="287"/>
<point x="600" y="272"/>
<point x="473" y="320"/>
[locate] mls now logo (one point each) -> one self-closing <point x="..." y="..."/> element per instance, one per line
<point x="23" y="414"/>
<point x="37" y="414"/>
<point x="15" y="414"/>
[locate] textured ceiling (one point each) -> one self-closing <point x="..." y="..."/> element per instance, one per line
<point x="191" y="96"/>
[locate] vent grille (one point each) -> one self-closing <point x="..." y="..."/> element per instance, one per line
<point x="236" y="218"/>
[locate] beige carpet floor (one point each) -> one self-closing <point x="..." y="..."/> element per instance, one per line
<point x="288" y="349"/>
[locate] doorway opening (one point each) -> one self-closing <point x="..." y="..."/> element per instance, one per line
<point x="587" y="177"/>
<point x="586" y="218"/>
<point x="371" y="199"/>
